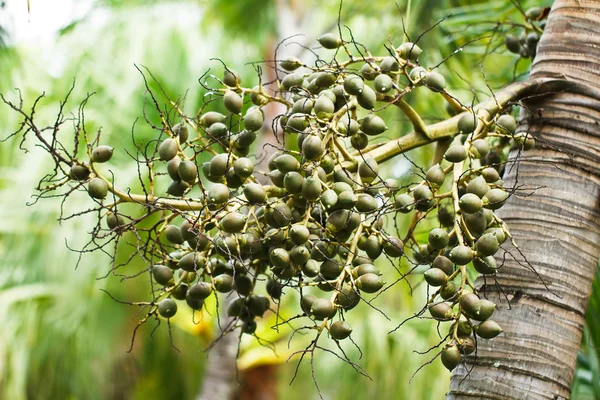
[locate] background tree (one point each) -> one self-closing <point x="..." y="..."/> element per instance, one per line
<point x="124" y="118"/>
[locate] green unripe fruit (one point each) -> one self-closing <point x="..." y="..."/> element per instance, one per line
<point x="338" y="220"/>
<point x="487" y="245"/>
<point x="97" y="188"/>
<point x="512" y="43"/>
<point x="348" y="297"/>
<point x="321" y="309"/>
<point x="369" y="71"/>
<point x="330" y="269"/>
<point x="366" y="203"/>
<point x="79" y="172"/>
<point x="495" y="198"/>
<point x="450" y="357"/>
<point x="211" y="117"/>
<point x="223" y="283"/>
<point x="435" y="175"/>
<point x="243" y="284"/>
<point x="486" y="309"/>
<point x="322" y="250"/>
<point x="480" y="148"/>
<point x="446" y="216"/>
<point x="236" y="307"/>
<point x="476" y="223"/>
<point x="162" y="275"/>
<point x="417" y="75"/>
<point x="470" y="303"/>
<point x="488" y="329"/>
<point x="485" y="265"/>
<point x="274" y="289"/>
<point x="369" y="283"/>
<point x="435" y="81"/>
<point x="292" y="80"/>
<point x="364" y="269"/>
<point x="467" y="123"/>
<point x="346" y="200"/>
<point x="280" y="258"/>
<point x="438" y="238"/>
<point x="373" y="125"/>
<point x="409" y="51"/>
<point x="233" y="222"/>
<point x="478" y="187"/>
<point x="114" y="221"/>
<point x="200" y="291"/>
<point x="461" y="255"/>
<point x="330" y="41"/>
<point x="177" y="188"/>
<point x="324" y="79"/>
<point x="102" y="154"/>
<point x="499" y="233"/>
<point x="302" y="106"/>
<point x="507" y="123"/>
<point x="324" y="107"/>
<point x="368" y="170"/>
<point x="443" y="263"/>
<point x="312" y="189"/>
<point x="441" y="311"/>
<point x="353" y="84"/>
<point x="299" y="255"/>
<point x="255" y="193"/>
<point x="282" y="216"/>
<point x="299" y="234"/>
<point x="383" y="83"/>
<point x="233" y="102"/>
<point x="359" y="140"/>
<point x="404" y="203"/>
<point x="173" y="234"/>
<point x="167" y="308"/>
<point x="470" y="203"/>
<point x="187" y="171"/>
<point x="448" y="290"/>
<point x="311" y="268"/>
<point x="231" y="78"/>
<point x="312" y="147"/>
<point x="181" y="132"/>
<point x="217" y="130"/>
<point x="466" y="345"/>
<point x="243" y="167"/>
<point x="192" y="262"/>
<point x="373" y="246"/>
<point x="293" y="182"/>
<point x="435" y="277"/>
<point x="219" y="165"/>
<point x="168" y="149"/>
<point x="423" y="198"/>
<point x="258" y="304"/>
<point x="218" y="194"/>
<point x="286" y="163"/>
<point x="290" y="63"/>
<point x="173" y="168"/>
<point x="393" y="246"/>
<point x="254" y="119"/>
<point x="329" y="198"/>
<point x="340" y="330"/>
<point x="389" y="64"/>
<point x="456" y="153"/>
<point x="306" y="302"/>
<point x="367" y="98"/>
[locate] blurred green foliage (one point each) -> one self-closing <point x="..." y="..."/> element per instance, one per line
<point x="62" y="337"/>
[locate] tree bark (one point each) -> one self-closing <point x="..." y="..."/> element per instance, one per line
<point x="554" y="216"/>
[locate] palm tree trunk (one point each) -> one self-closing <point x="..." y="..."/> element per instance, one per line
<point x="554" y="216"/>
